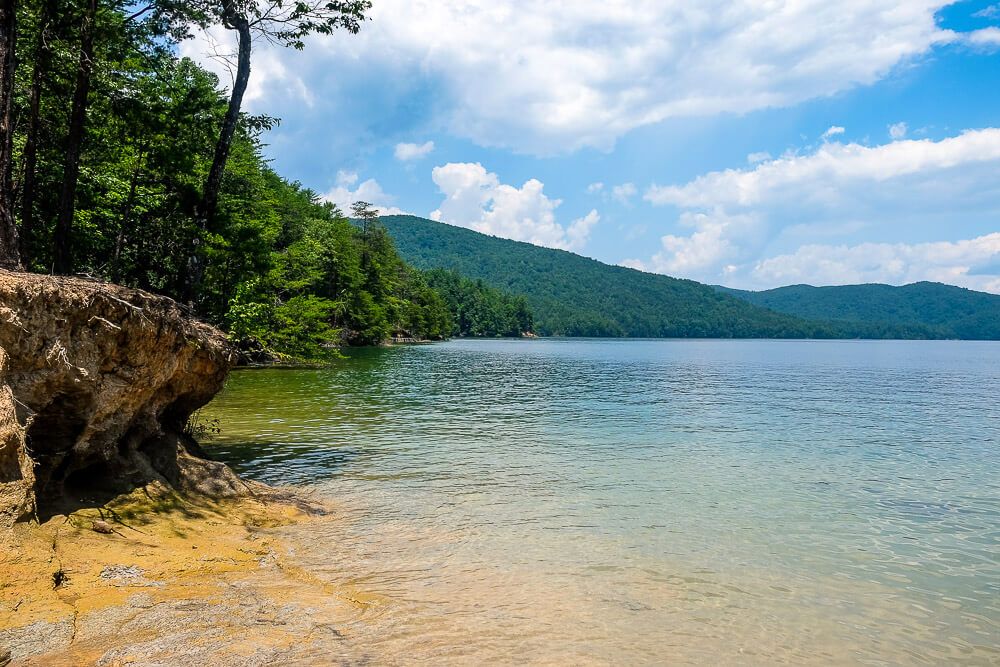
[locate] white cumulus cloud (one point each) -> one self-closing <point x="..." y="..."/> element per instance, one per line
<point x="988" y="12"/>
<point x="369" y="191"/>
<point x="986" y="37"/>
<point x="475" y="198"/>
<point x="270" y="77"/>
<point x="970" y="263"/>
<point x="738" y="217"/>
<point x="405" y="152"/>
<point x="549" y="77"/>
<point x="898" y="130"/>
<point x="624" y="192"/>
<point x="711" y="252"/>
<point x="844" y="163"/>
<point x="833" y="131"/>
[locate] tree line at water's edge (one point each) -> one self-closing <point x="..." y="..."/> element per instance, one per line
<point x="123" y="161"/>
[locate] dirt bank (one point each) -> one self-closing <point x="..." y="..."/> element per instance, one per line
<point x="96" y="386"/>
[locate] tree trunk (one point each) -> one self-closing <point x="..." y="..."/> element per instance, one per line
<point x="74" y="142"/>
<point x="210" y="197"/>
<point x="126" y="225"/>
<point x="38" y="74"/>
<point x="9" y="255"/>
<point x="206" y="209"/>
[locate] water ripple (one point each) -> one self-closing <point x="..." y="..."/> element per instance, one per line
<point x="595" y="502"/>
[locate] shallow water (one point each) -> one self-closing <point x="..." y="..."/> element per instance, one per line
<point x="642" y="502"/>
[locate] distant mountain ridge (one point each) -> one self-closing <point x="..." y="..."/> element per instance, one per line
<point x="953" y="312"/>
<point x="571" y="295"/>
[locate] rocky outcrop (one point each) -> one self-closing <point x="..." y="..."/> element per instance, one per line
<point x="16" y="475"/>
<point x="97" y="383"/>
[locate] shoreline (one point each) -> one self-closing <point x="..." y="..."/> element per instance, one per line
<point x="154" y="576"/>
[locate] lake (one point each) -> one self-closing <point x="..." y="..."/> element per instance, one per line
<point x="644" y="502"/>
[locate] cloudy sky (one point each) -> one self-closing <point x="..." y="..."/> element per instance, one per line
<point x="751" y="144"/>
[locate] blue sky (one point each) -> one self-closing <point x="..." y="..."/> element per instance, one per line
<point x="748" y="144"/>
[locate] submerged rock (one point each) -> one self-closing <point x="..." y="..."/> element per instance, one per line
<point x="97" y="383"/>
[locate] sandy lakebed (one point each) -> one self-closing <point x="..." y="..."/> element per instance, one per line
<point x="176" y="581"/>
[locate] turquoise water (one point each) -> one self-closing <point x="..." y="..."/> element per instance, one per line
<point x="642" y="502"/>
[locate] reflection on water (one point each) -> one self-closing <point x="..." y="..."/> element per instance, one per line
<point x="638" y="502"/>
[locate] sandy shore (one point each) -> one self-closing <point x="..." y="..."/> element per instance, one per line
<point x="177" y="581"/>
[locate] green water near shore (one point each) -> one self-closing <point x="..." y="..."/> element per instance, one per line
<point x="641" y="502"/>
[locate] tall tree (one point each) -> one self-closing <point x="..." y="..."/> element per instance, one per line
<point x="276" y="22"/>
<point x="281" y="267"/>
<point x="368" y="216"/>
<point x="74" y="141"/>
<point x="40" y="69"/>
<point x="9" y="254"/>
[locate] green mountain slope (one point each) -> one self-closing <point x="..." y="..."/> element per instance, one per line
<point x="954" y="312"/>
<point x="574" y="296"/>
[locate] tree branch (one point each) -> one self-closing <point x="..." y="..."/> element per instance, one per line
<point x="139" y="13"/>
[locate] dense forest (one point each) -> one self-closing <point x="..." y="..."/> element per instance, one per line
<point x="952" y="312"/>
<point x="479" y="310"/>
<point x="571" y="295"/>
<point x="129" y="164"/>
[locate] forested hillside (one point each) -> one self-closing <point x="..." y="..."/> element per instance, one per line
<point x="570" y="295"/>
<point x="953" y="312"/>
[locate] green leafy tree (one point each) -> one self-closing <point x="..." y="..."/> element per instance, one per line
<point x="282" y="269"/>
<point x="276" y="22"/>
